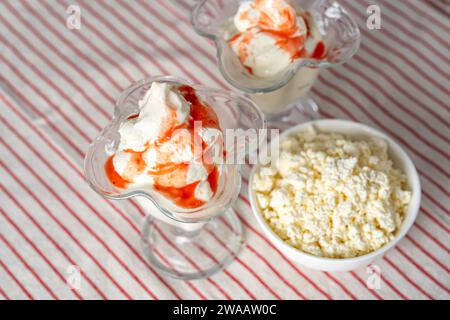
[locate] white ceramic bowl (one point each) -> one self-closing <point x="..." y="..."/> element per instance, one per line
<point x="401" y="161"/>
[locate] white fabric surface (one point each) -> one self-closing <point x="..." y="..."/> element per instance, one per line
<point x="57" y="90"/>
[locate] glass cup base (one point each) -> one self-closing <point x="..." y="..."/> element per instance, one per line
<point x="190" y="254"/>
<point x="304" y="110"/>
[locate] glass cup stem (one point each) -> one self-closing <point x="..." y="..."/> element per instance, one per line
<point x="187" y="253"/>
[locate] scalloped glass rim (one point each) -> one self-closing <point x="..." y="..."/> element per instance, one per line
<point x="182" y="215"/>
<point x="289" y="73"/>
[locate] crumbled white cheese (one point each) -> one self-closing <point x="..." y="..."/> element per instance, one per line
<point x="332" y="196"/>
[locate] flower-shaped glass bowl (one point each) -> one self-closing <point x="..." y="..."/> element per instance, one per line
<point x="167" y="225"/>
<point x="235" y="112"/>
<point x="214" y="19"/>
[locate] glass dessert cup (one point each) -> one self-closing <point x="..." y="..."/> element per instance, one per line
<point x="179" y="242"/>
<point x="283" y="98"/>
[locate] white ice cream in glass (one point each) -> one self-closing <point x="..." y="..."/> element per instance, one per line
<point x="271" y="35"/>
<point x="157" y="146"/>
<point x="273" y="49"/>
<point x="166" y="148"/>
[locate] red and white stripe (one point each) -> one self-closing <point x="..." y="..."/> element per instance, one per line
<point x="58" y="86"/>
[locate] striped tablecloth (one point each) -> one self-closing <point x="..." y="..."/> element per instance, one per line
<point x="57" y="90"/>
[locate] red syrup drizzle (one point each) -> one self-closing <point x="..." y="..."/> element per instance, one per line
<point x="319" y="51"/>
<point x="294" y="45"/>
<point x="183" y="196"/>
